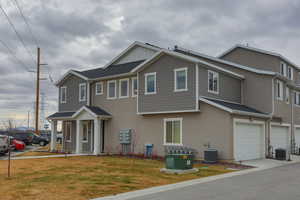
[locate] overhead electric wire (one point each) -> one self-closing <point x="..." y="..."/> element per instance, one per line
<point x="26" y="22"/>
<point x="17" y="33"/>
<point x="12" y="53"/>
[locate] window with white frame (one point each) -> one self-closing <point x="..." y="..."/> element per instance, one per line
<point x="85" y="133"/>
<point x="150" y="83"/>
<point x="290" y="73"/>
<point x="279" y="90"/>
<point x="287" y="95"/>
<point x="112" y="89"/>
<point x="134" y="86"/>
<point x="173" y="131"/>
<point x="283" y="69"/>
<point x="124" y="88"/>
<point x="213" y="82"/>
<point x="297" y="98"/>
<point x="82" y="92"/>
<point x="68" y="131"/>
<point x="99" y="88"/>
<point x="63" y="94"/>
<point x="180" y="78"/>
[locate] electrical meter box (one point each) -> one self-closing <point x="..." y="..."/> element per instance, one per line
<point x="125" y="136"/>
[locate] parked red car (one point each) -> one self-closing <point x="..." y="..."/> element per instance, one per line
<point x="19" y="145"/>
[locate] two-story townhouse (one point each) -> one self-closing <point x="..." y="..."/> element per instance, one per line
<point x="165" y="98"/>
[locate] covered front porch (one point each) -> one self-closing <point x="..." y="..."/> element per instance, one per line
<point x="82" y="131"/>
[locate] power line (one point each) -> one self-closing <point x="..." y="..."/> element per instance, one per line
<point x="12" y="53"/>
<point x="17" y="33"/>
<point x="26" y="22"/>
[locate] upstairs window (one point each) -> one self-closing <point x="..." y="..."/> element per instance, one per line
<point x="63" y="95"/>
<point x="150" y="83"/>
<point x="213" y="82"/>
<point x="279" y="90"/>
<point x="173" y="131"/>
<point x="283" y="69"/>
<point x="134" y="86"/>
<point x="180" y="77"/>
<point x="124" y="88"/>
<point x="287" y="95"/>
<point x="112" y="89"/>
<point x="82" y="92"/>
<point x="99" y="88"/>
<point x="297" y="98"/>
<point x="290" y="73"/>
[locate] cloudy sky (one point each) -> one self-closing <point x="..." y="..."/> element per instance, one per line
<point x="82" y="34"/>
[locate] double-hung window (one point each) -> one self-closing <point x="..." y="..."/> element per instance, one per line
<point x="112" y="89"/>
<point x="82" y="92"/>
<point x="283" y="69"/>
<point x="124" y="88"/>
<point x="279" y="90"/>
<point x="290" y="73"/>
<point x="134" y="86"/>
<point x="99" y="88"/>
<point x="150" y="83"/>
<point x="287" y="95"/>
<point x="180" y="78"/>
<point x="213" y="82"/>
<point x="173" y="131"/>
<point x="63" y="94"/>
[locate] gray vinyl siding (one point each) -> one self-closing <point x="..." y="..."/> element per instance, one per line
<point x="73" y="103"/>
<point x="165" y="98"/>
<point x="229" y="87"/>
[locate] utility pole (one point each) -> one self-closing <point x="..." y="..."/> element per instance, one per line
<point x="37" y="102"/>
<point x="28" y="119"/>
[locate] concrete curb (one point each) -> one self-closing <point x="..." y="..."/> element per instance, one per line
<point x="157" y="189"/>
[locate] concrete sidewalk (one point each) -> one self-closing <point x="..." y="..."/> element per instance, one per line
<point x="48" y="156"/>
<point x="259" y="165"/>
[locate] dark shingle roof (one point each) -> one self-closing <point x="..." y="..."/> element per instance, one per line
<point x="235" y="106"/>
<point x="61" y="114"/>
<point x="111" y="70"/>
<point x="98" y="111"/>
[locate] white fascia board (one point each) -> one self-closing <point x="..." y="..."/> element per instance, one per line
<point x="148" y="61"/>
<point x="251" y="114"/>
<point x="228" y="62"/>
<point x="83" y="108"/>
<point x="260" y="51"/>
<point x="216" y="105"/>
<point x="68" y="73"/>
<point x="167" y="112"/>
<point x="136" y="43"/>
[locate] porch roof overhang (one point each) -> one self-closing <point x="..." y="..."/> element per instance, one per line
<point x="94" y="111"/>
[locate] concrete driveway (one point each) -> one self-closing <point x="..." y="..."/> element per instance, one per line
<point x="271" y="184"/>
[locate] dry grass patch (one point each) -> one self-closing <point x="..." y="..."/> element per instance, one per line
<point x="86" y="177"/>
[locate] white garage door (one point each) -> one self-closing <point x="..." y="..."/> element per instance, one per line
<point x="297" y="137"/>
<point x="279" y="137"/>
<point x="249" y="141"/>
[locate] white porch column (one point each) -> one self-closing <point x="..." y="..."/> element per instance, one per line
<point x="97" y="133"/>
<point x="78" y="137"/>
<point x="53" y="135"/>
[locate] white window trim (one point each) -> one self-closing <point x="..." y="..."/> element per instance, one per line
<point x="61" y="89"/>
<point x="165" y="132"/>
<point x="132" y="86"/>
<point x="120" y="88"/>
<point x="297" y="99"/>
<point x="284" y="69"/>
<point x="70" y="132"/>
<point x="218" y="82"/>
<point x="108" y="82"/>
<point x="146" y="84"/>
<point x="185" y="69"/>
<point x="292" y="72"/>
<point x="287" y="95"/>
<point x="280" y="91"/>
<point x="87" y="137"/>
<point x="84" y="99"/>
<point x="97" y="85"/>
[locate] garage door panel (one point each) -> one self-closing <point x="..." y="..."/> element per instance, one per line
<point x="249" y="141"/>
<point x="279" y="137"/>
<point x="297" y="137"/>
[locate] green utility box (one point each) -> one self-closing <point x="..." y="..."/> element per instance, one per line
<point x="179" y="161"/>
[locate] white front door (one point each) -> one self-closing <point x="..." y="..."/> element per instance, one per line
<point x="279" y="137"/>
<point x="249" y="140"/>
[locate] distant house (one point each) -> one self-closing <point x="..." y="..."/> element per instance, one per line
<point x="244" y="103"/>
